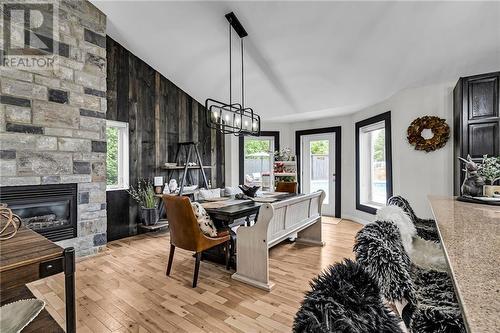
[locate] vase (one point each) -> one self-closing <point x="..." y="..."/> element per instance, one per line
<point x="149" y="216"/>
<point x="489" y="190"/>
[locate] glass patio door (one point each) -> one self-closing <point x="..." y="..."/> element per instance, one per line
<point x="318" y="167"/>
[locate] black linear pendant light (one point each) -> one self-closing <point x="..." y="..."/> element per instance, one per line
<point x="233" y="118"/>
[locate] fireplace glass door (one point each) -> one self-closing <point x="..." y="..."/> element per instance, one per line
<point x="44" y="215"/>
<point x="47" y="209"/>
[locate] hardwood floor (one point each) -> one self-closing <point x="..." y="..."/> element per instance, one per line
<point x="124" y="289"/>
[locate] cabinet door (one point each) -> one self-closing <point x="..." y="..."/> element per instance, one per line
<point x="481" y="122"/>
<point x="482" y="97"/>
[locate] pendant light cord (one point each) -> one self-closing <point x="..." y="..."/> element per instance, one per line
<point x="230" y="83"/>
<point x="242" y="79"/>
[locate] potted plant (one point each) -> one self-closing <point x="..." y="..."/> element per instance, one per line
<point x="145" y="197"/>
<point x="490" y="171"/>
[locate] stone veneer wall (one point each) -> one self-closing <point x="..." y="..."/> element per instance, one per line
<point x="52" y="122"/>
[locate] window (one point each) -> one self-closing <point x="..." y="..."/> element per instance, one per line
<point x="257" y="158"/>
<point x="373" y="162"/>
<point x="117" y="155"/>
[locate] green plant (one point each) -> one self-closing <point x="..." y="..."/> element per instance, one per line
<point x="112" y="156"/>
<point x="319" y="147"/>
<point x="284" y="154"/>
<point x="256" y="146"/>
<point x="379" y="147"/>
<point x="145" y="194"/>
<point x="490" y="169"/>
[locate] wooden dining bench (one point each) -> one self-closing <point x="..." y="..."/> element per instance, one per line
<point x="276" y="222"/>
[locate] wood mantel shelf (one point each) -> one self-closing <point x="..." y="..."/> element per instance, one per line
<point x="471" y="241"/>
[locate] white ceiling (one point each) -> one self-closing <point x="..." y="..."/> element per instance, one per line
<point x="308" y="60"/>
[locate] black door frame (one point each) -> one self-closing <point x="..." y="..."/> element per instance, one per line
<point x="241" y="150"/>
<point x="337" y="130"/>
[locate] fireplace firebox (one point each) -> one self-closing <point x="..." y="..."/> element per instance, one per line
<point x="49" y="210"/>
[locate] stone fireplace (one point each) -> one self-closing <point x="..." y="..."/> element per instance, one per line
<point x="53" y="132"/>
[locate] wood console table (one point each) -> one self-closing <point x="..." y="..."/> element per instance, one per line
<point x="470" y="235"/>
<point x="28" y="257"/>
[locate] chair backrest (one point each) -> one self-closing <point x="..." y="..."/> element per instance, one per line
<point x="290" y="187"/>
<point x="184" y="229"/>
<point x="401" y="202"/>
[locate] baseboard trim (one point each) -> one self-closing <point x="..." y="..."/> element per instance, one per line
<point x="355" y="219"/>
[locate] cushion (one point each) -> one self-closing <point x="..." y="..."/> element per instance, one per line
<point x="204" y="221"/>
<point x="232" y="190"/>
<point x="204" y="194"/>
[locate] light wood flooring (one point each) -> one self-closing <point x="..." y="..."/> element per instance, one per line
<point x="124" y="289"/>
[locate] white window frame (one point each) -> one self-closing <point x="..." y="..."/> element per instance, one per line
<point x="123" y="155"/>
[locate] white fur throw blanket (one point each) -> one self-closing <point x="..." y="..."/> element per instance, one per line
<point x="423" y="253"/>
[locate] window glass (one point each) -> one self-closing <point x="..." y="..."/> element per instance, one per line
<point x="258" y="162"/>
<point x="112" y="156"/>
<point x="319" y="170"/>
<point x="372" y="165"/>
<point x="117" y="155"/>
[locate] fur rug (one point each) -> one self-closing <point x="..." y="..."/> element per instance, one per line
<point x="436" y="308"/>
<point x="432" y="304"/>
<point x="345" y="298"/>
<point x="426" y="228"/>
<point x="406" y="227"/>
<point x="378" y="248"/>
<point x="428" y="255"/>
<point x="424" y="253"/>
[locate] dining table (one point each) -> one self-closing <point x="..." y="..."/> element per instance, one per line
<point x="226" y="211"/>
<point x="230" y="213"/>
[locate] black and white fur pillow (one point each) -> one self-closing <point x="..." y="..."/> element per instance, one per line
<point x="204" y="221"/>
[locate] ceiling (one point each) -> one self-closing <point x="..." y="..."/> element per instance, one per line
<point x="307" y="60"/>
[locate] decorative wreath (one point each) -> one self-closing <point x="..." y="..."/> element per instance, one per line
<point x="439" y="128"/>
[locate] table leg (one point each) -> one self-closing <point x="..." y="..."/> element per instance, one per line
<point x="69" y="285"/>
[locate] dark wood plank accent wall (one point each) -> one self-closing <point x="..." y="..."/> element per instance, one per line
<point x="160" y="115"/>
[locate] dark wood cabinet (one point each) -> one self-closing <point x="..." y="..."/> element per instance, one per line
<point x="476" y="120"/>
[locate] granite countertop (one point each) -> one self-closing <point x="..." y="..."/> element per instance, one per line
<point x="471" y="241"/>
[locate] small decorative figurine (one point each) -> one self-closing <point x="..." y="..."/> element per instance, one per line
<point x="473" y="182"/>
<point x="249" y="191"/>
<point x="172" y="185"/>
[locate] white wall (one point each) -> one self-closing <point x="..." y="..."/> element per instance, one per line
<point x="416" y="174"/>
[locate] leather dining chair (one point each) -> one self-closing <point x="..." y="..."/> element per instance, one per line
<point x="290" y="187"/>
<point x="186" y="234"/>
